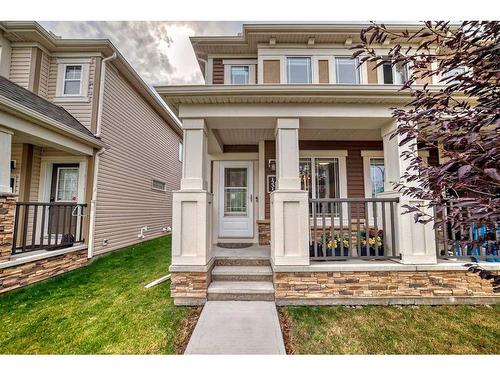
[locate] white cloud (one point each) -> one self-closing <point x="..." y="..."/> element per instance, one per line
<point x="159" y="51"/>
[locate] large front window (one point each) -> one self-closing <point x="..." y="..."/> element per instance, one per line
<point x="320" y="177"/>
<point x="299" y="69"/>
<point x="377" y="176"/>
<point x="347" y="70"/>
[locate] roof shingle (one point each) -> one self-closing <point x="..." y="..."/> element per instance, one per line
<point x="28" y="99"/>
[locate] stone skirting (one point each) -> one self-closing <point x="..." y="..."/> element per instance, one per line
<point x="189" y="288"/>
<point x="7" y="211"/>
<point x="368" y="287"/>
<point x="264" y="227"/>
<point x="30" y="272"/>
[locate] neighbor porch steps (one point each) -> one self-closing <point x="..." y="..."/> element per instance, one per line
<point x="241" y="279"/>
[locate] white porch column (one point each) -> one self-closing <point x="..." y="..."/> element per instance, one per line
<point x="5" y="155"/>
<point x="414" y="241"/>
<point x="191" y="215"/>
<point x="289" y="204"/>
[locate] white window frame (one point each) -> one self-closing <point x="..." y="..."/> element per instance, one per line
<point x="311" y="78"/>
<point x="153" y="180"/>
<point x="367" y="156"/>
<point x="84" y="80"/>
<point x="229" y="63"/>
<point x="380" y="74"/>
<point x="358" y="69"/>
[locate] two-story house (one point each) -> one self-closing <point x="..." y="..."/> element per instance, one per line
<point x="89" y="154"/>
<point x="287" y="190"/>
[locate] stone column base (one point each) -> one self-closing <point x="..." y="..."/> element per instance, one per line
<point x="189" y="288"/>
<point x="264" y="227"/>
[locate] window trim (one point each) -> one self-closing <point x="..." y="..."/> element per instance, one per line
<point x="380" y="74"/>
<point x="84" y="80"/>
<point x="367" y="156"/>
<point x="358" y="70"/>
<point x="228" y="64"/>
<point x="160" y="181"/>
<point x="311" y="69"/>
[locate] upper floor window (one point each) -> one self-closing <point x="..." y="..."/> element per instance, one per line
<point x="72" y="80"/>
<point x="453" y="73"/>
<point x="346" y="69"/>
<point x="396" y="74"/>
<point x="240" y="74"/>
<point x="299" y="69"/>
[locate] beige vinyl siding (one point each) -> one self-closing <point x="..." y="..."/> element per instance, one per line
<point x="82" y="111"/>
<point x="141" y="147"/>
<point x="35" y="185"/>
<point x="43" y="88"/>
<point x="20" y="65"/>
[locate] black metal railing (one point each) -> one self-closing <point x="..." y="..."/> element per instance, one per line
<point x="348" y="228"/>
<point x="47" y="226"/>
<point x="472" y="242"/>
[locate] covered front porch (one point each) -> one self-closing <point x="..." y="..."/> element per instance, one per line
<point x="46" y="175"/>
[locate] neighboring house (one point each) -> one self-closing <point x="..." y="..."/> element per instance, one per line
<point x="88" y="151"/>
<point x="288" y="147"/>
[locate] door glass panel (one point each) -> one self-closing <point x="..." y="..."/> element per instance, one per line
<point x="67" y="185"/>
<point x="235" y="191"/>
<point x="377" y="175"/>
<point x="327" y="180"/>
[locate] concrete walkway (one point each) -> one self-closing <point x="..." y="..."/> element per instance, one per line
<point x="237" y="327"/>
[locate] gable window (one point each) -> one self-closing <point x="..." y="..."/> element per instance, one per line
<point x="159" y="185"/>
<point x="240" y="75"/>
<point x="299" y="69"/>
<point x="396" y="74"/>
<point x="346" y="69"/>
<point x="72" y="80"/>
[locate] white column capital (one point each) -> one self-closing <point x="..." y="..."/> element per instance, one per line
<point x="194" y="124"/>
<point x="287" y="123"/>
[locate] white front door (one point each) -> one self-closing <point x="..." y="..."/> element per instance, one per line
<point x="236" y="199"/>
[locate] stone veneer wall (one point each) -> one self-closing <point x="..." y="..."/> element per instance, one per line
<point x="7" y="211"/>
<point x="405" y="286"/>
<point x="189" y="287"/>
<point x="264" y="227"/>
<point x="31" y="272"/>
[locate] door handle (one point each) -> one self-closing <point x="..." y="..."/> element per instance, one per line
<point x="251" y="198"/>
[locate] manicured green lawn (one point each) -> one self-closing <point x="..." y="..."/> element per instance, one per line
<point x="393" y="330"/>
<point x="101" y="308"/>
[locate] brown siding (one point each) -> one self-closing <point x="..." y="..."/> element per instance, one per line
<point x="20" y="65"/>
<point x="323" y="71"/>
<point x="218" y="72"/>
<point x="372" y="71"/>
<point x="142" y="146"/>
<point x="354" y="162"/>
<point x="271" y="71"/>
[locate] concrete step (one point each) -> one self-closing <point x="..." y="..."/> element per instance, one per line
<point x="241" y="291"/>
<point x="242" y="273"/>
<point x="242" y="261"/>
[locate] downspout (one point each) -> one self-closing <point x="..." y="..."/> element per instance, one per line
<point x="90" y="251"/>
